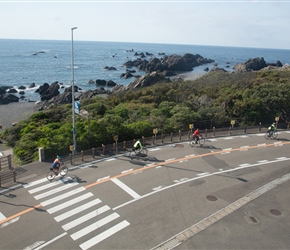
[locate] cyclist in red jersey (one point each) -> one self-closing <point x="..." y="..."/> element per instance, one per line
<point x="196" y="135"/>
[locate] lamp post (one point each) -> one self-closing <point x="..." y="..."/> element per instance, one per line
<point x="73" y="92"/>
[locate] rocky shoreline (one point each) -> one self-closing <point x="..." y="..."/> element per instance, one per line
<point x="157" y="71"/>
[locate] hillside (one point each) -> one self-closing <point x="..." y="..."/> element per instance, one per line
<point x="210" y="101"/>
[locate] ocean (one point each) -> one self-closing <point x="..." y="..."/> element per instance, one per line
<point x="24" y="62"/>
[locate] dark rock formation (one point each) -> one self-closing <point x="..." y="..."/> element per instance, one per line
<point x="47" y="91"/>
<point x="3" y="89"/>
<point x="32" y="85"/>
<point x="126" y="75"/>
<point x="66" y="98"/>
<point x="12" y="91"/>
<point x="217" y="69"/>
<point x="109" y="83"/>
<point x="173" y="63"/>
<point x="255" y="64"/>
<point x="8" y="98"/>
<point x="143" y="81"/>
<point x="109" y="68"/>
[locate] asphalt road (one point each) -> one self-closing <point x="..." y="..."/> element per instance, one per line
<point x="233" y="193"/>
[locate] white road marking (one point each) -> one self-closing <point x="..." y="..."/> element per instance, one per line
<point x="262" y="161"/>
<point x="111" y="159"/>
<point x="226" y="151"/>
<point x="154" y="149"/>
<point x="201" y="174"/>
<point x="49" y="242"/>
<point x="69" y="203"/>
<point x="2" y="217"/>
<point x="245" y="165"/>
<point x="35" y="183"/>
<point x="56" y="190"/>
<point x="227" y="138"/>
<point x="63" y="196"/>
<point x="278" y="143"/>
<point x="104" y="178"/>
<point x="52" y="184"/>
<point x="94" y="226"/>
<point x="85" y="218"/>
<point x="34" y="245"/>
<point x="126" y="188"/>
<point x="170" y="159"/>
<point x="95" y="240"/>
<point x="213" y="218"/>
<point x="10" y="222"/>
<point x="282" y="158"/>
<point x="199" y="177"/>
<point x="244" y="148"/>
<point x="126" y="171"/>
<point x="157" y="188"/>
<point x="77" y="210"/>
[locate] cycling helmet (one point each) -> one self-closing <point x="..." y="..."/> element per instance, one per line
<point x="58" y="157"/>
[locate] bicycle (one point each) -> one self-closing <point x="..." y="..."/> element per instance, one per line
<point x="200" y="142"/>
<point x="62" y="171"/>
<point x="139" y="152"/>
<point x="271" y="134"/>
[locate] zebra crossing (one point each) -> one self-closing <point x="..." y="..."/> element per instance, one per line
<point x="60" y="196"/>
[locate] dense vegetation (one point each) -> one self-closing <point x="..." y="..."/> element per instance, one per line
<point x="212" y="100"/>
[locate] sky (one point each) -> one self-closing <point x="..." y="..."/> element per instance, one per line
<point x="253" y="23"/>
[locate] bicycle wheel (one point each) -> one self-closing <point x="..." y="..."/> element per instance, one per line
<point x="63" y="171"/>
<point x="192" y="143"/>
<point x="50" y="175"/>
<point x="144" y="151"/>
<point x="267" y="135"/>
<point x="132" y="154"/>
<point x="275" y="134"/>
<point x="201" y="142"/>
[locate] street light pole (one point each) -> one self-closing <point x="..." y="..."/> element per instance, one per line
<point x="73" y="92"/>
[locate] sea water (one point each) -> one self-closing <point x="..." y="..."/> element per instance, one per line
<point x="24" y="62"/>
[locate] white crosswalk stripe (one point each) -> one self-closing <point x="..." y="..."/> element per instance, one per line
<point x="75" y="208"/>
<point x="92" y="242"/>
<point x="69" y="203"/>
<point x="85" y="218"/>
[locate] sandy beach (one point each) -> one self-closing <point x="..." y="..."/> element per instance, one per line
<point x="15" y="112"/>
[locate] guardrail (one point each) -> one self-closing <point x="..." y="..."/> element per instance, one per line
<point x="6" y="169"/>
<point x="158" y="140"/>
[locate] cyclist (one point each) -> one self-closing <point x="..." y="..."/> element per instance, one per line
<point x="271" y="129"/>
<point x="137" y="145"/>
<point x="56" y="164"/>
<point x="196" y="135"/>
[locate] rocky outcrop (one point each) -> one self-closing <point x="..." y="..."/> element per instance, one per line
<point x="143" y="81"/>
<point x="47" y="91"/>
<point x="8" y="98"/>
<point x="66" y="98"/>
<point x="255" y="64"/>
<point x="109" y="83"/>
<point x="174" y="63"/>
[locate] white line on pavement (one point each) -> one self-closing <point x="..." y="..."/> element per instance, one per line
<point x="126" y="188"/>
